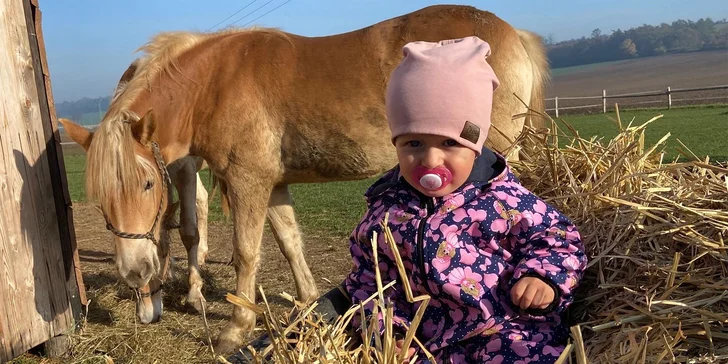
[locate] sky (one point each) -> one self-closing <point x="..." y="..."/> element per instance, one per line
<point x="90" y="43"/>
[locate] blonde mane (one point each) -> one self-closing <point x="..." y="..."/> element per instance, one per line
<point x="113" y="169"/>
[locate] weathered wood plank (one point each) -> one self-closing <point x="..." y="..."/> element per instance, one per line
<point x="34" y="301"/>
<point x="74" y="278"/>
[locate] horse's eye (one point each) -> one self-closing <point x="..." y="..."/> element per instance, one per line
<point x="149" y="185"/>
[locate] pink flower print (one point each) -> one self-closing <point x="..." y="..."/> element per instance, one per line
<point x="539" y="207"/>
<point x="486" y="263"/>
<point x="498" y="359"/>
<point x="527" y="360"/>
<point x="490" y="280"/>
<point x="448" y="335"/>
<point x="477" y="215"/>
<point x="554" y="216"/>
<point x="511" y="200"/>
<point x="572" y="263"/>
<point x="458" y="358"/>
<point x="457" y="315"/>
<point x="468" y="255"/>
<point x="468" y="281"/>
<point x="499" y="225"/>
<point x="542" y="267"/>
<point x="550" y="350"/>
<point x="429" y="329"/>
<point x="474" y="230"/>
<point x="531" y="218"/>
<point x="518" y="346"/>
<point x="452" y="203"/>
<point x="447" y="230"/>
<point x="459" y="215"/>
<point x="494" y="345"/>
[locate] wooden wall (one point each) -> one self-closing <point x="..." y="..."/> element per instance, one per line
<point x="39" y="272"/>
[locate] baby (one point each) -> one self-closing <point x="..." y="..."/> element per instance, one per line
<point x="499" y="264"/>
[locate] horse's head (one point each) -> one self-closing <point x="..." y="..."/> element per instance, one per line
<point x="127" y="176"/>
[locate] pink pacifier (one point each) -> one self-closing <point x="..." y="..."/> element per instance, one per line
<point x="433" y="179"/>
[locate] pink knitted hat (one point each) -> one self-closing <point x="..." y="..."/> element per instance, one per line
<point x="444" y="88"/>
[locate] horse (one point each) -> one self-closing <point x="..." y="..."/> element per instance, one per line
<point x="266" y="109"/>
<point x="192" y="224"/>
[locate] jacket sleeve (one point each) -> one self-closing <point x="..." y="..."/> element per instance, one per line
<point x="546" y="244"/>
<point x="361" y="283"/>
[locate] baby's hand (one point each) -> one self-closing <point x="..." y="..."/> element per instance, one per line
<point x="531" y="292"/>
<point x="410" y="350"/>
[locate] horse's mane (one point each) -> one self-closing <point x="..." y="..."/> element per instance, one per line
<point x="112" y="169"/>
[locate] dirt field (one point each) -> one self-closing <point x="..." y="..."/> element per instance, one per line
<point x="642" y="74"/>
<point x="686" y="70"/>
<point x="111" y="328"/>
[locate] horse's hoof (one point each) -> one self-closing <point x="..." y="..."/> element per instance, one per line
<point x="195" y="305"/>
<point x="226" y="347"/>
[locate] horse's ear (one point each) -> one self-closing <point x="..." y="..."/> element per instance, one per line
<point x="144" y="128"/>
<point x="78" y="133"/>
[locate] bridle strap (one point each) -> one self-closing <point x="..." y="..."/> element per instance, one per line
<point x="166" y="182"/>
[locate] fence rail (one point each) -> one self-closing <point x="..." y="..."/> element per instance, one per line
<point x="668" y="100"/>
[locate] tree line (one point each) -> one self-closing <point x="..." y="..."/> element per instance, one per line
<point x="86" y="111"/>
<point x="643" y="41"/>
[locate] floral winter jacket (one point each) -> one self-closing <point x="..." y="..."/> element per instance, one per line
<point x="465" y="250"/>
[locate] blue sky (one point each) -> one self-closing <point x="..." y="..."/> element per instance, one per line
<point x="89" y="43"/>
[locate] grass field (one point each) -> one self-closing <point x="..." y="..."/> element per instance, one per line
<point x="333" y="209"/>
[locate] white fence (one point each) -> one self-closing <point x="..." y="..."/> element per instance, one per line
<point x="664" y="98"/>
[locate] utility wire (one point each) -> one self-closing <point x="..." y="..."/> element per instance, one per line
<point x="287" y="1"/>
<point x="233" y="14"/>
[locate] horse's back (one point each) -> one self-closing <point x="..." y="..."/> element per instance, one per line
<point x="324" y="96"/>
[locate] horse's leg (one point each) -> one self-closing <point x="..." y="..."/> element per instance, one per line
<point x="186" y="183"/>
<point x="285" y="230"/>
<point x="249" y="201"/>
<point x="201" y="206"/>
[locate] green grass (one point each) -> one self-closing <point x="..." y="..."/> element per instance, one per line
<point x="334" y="209"/>
<point x="704" y="130"/>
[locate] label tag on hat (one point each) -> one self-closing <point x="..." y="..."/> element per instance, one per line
<point x="471" y="132"/>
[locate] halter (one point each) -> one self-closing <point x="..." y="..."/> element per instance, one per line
<point x="166" y="181"/>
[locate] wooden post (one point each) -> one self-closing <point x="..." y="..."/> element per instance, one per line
<point x="604" y="101"/>
<point x="556" y="105"/>
<point x="40" y="294"/>
<point x="669" y="98"/>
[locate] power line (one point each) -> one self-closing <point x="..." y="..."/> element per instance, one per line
<point x="251" y="13"/>
<point x="233" y="14"/>
<point x="269" y="11"/>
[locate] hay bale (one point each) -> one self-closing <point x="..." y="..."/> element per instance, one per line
<point x="658" y="271"/>
<point x="656" y="285"/>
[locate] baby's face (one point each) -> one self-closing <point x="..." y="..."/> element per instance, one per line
<point x="431" y="152"/>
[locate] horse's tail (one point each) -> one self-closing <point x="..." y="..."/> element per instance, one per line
<point x="541" y="76"/>
<point x="224" y="202"/>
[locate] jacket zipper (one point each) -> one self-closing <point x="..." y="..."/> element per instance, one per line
<point x="420" y="242"/>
